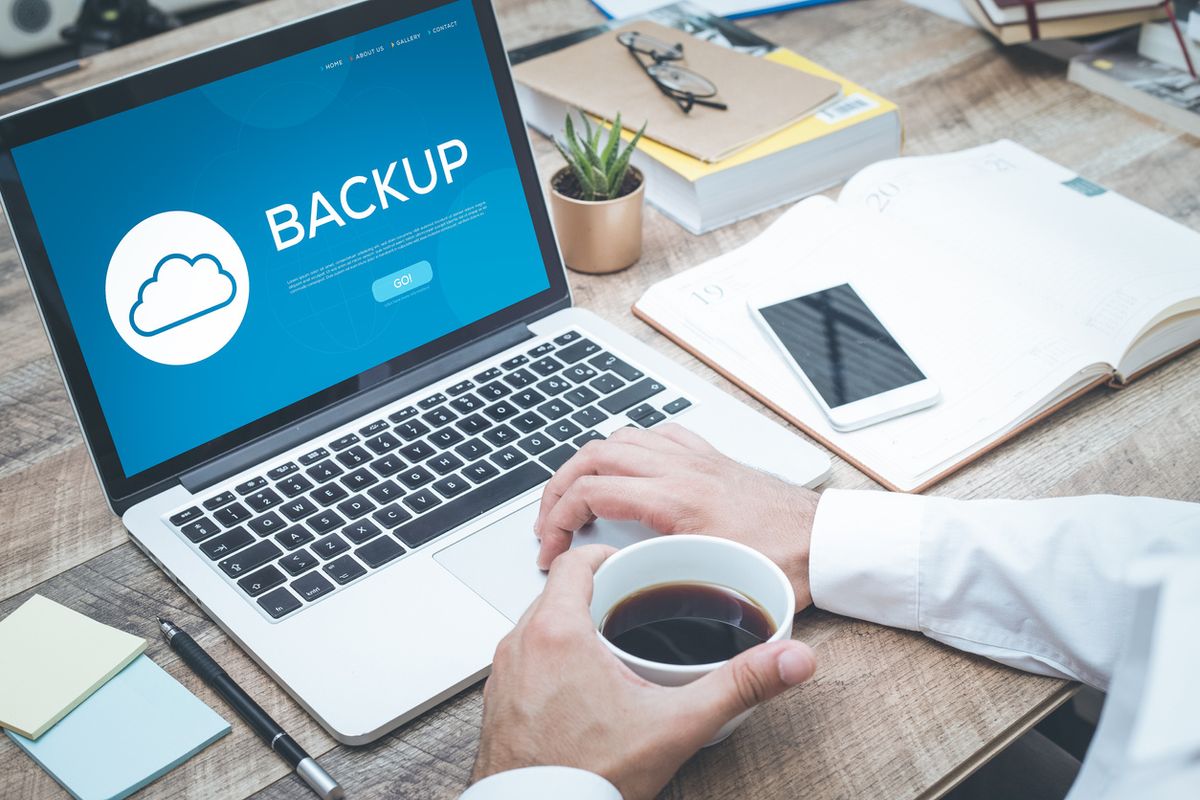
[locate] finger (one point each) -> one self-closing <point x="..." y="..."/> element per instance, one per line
<point x="590" y="496"/>
<point x="599" y="458"/>
<point x="753" y="677"/>
<point x="569" y="586"/>
<point x="681" y="435"/>
<point x="649" y="439"/>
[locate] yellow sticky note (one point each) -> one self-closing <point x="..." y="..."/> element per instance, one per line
<point x="52" y="659"/>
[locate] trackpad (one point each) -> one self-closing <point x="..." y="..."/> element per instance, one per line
<point x="498" y="562"/>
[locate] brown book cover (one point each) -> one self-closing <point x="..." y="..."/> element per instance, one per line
<point x="1062" y="27"/>
<point x="600" y="77"/>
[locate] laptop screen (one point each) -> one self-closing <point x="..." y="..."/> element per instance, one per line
<point x="227" y="251"/>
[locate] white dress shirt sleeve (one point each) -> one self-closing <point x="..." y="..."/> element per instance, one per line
<point x="1038" y="585"/>
<point x="535" y="782"/>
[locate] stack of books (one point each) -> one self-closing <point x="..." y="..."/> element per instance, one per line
<point x="856" y="128"/>
<point x="1017" y="21"/>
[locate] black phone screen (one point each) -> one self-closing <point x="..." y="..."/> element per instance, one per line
<point x="840" y="345"/>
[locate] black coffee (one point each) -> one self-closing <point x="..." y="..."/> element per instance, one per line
<point x="687" y="623"/>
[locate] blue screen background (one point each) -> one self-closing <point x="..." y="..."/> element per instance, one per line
<point x="272" y="135"/>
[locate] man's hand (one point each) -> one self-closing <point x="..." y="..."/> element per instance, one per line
<point x="673" y="481"/>
<point x="558" y="697"/>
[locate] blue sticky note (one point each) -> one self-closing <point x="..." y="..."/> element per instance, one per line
<point x="138" y="726"/>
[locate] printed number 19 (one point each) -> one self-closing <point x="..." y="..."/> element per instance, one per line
<point x="712" y="293"/>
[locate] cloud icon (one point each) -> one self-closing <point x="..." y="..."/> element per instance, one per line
<point x="180" y="290"/>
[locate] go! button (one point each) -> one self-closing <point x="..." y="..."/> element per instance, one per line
<point x="401" y="281"/>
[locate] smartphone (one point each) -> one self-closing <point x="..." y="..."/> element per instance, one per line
<point x="852" y="366"/>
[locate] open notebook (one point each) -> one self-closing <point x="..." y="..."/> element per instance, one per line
<point x="1016" y="283"/>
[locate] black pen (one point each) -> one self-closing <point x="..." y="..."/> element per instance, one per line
<point x="268" y="729"/>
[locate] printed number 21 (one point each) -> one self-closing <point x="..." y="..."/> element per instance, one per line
<point x="882" y="196"/>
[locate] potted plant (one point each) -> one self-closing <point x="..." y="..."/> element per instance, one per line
<point x="596" y="199"/>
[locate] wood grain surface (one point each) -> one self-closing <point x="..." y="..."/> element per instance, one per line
<point x="890" y="715"/>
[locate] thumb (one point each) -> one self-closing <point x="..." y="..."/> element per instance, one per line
<point x="753" y="677"/>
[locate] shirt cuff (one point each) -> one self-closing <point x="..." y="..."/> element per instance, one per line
<point x="864" y="556"/>
<point x="527" y="782"/>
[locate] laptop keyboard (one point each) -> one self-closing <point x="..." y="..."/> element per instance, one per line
<point x="334" y="513"/>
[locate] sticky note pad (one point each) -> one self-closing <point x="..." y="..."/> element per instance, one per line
<point x="138" y="726"/>
<point x="52" y="658"/>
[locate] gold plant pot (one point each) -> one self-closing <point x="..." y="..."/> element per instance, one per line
<point x="599" y="236"/>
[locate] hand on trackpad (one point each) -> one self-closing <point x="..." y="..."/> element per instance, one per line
<point x="499" y="562"/>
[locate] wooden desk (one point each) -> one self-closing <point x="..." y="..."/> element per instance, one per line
<point x="890" y="715"/>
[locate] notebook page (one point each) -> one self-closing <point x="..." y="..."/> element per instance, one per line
<point x="1095" y="267"/>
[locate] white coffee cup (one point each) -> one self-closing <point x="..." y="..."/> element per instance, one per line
<point x="691" y="559"/>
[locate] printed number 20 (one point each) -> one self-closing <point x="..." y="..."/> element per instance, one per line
<point x="882" y="196"/>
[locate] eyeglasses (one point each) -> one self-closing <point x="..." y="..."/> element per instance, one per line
<point x="687" y="88"/>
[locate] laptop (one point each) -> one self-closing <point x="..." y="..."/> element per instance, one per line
<point x="307" y="302"/>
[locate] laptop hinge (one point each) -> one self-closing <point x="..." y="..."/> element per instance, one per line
<point x="233" y="462"/>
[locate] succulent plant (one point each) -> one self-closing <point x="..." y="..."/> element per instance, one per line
<point x="599" y="167"/>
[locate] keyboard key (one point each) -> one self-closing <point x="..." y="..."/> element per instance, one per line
<point x="200" y="530"/>
<point x="507" y="458"/>
<point x="480" y="471"/>
<point x="415" y="476"/>
<point x="325" y="471"/>
<point x="578" y="351"/>
<point x="554" y="409"/>
<point x="299" y="561"/>
<point x="391" y="516"/>
<point x="312" y="586"/>
<point x="651" y="419"/>
<point x="459" y="388"/>
<point x="253" y="557"/>
<point x="472" y="449"/>
<point x="589" y="417"/>
<point x="501" y="411"/>
<point x="325" y="521"/>
<point x="470" y="505"/>
<point x="581" y="396"/>
<point x="488" y="375"/>
<point x="263" y="499"/>
<point x="541" y="349"/>
<point x="383" y="443"/>
<point x="185" y="516"/>
<point x="520" y="378"/>
<point x="266" y="524"/>
<point x="422" y="500"/>
<point x="528" y="398"/>
<point x="379" y="552"/>
<point x="466" y="404"/>
<point x="298" y="509"/>
<point x="563" y="430"/>
<point x="355" y="507"/>
<point x="494" y="391"/>
<point x="608" y="361"/>
<point x="606" y="384"/>
<point x="445" y="437"/>
<point x="354" y="457"/>
<point x="294" y="485"/>
<point x="361" y="531"/>
<point x="558" y="456"/>
<point x="246" y="487"/>
<point x="535" y="444"/>
<point x="376" y="427"/>
<point x="226" y="543"/>
<point x="529" y="421"/>
<point x="631" y="395"/>
<point x="266" y="578"/>
<point x="330" y="546"/>
<point x="452" y="486"/>
<point x="231" y="515"/>
<point x="344" y="570"/>
<point x="385" y="492"/>
<point x="589" y="436"/>
<point x="677" y="405"/>
<point x="219" y="500"/>
<point x="446" y="462"/>
<point x="388" y="465"/>
<point x="554" y="386"/>
<point x="473" y="424"/>
<point x="567" y="337"/>
<point x="329" y="494"/>
<point x="439" y="416"/>
<point x="294" y="536"/>
<point x="515" y="362"/>
<point x="418" y="451"/>
<point x="344" y="442"/>
<point x="580" y="373"/>
<point x="545" y="366"/>
<point x="358" y="480"/>
<point x="282" y="471"/>
<point x="412" y="429"/>
<point x="637" y="412"/>
<point x="501" y="436"/>
<point x="313" y="456"/>
<point x="431" y="401"/>
<point x="279" y="603"/>
<point x="402" y="414"/>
